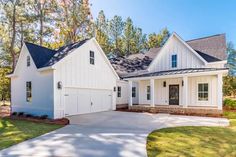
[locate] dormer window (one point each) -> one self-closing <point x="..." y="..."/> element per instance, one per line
<point x="174" y="61"/>
<point x="91" y="56"/>
<point x="28" y="61"/>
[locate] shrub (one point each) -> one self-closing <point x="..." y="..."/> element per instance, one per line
<point x="28" y="115"/>
<point x="44" y="117"/>
<point x="230" y="104"/>
<point x="14" y="113"/>
<point x="21" y="114"/>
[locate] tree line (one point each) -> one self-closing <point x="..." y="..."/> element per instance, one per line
<point x="54" y="23"/>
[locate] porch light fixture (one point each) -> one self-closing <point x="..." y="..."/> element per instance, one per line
<point x="114" y="89"/>
<point x="182" y="82"/>
<point x="164" y="84"/>
<point x="59" y="85"/>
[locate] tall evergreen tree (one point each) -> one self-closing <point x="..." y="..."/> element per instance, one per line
<point x="102" y="32"/>
<point x="128" y="35"/>
<point x="158" y="40"/>
<point x="231" y="59"/>
<point x="116" y="26"/>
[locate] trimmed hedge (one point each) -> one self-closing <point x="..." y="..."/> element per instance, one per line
<point x="230" y="104"/>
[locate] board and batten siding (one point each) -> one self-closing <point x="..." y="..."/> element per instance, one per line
<point x="185" y="57"/>
<point x="162" y="93"/>
<point x="75" y="71"/>
<point x="42" y="88"/>
<point x="124" y="99"/>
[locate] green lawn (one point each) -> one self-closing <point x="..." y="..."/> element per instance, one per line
<point x="194" y="141"/>
<point x="15" y="131"/>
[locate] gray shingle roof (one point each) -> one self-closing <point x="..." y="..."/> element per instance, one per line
<point x="211" y="49"/>
<point x="174" y="72"/>
<point x="44" y="57"/>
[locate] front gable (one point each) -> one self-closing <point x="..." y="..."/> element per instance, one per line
<point x="21" y="66"/>
<point x="75" y="70"/>
<point x="177" y="48"/>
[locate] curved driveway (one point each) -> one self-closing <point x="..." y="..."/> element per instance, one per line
<point x="109" y="134"/>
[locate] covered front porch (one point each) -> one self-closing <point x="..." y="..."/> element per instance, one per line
<point x="176" y="90"/>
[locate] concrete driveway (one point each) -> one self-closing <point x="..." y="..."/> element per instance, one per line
<point x="116" y="134"/>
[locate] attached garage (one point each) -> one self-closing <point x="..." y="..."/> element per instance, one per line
<point x="82" y="101"/>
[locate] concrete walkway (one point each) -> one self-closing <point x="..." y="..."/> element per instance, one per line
<point x="109" y="134"/>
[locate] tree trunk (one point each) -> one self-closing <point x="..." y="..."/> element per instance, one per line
<point x="41" y="26"/>
<point x="13" y="38"/>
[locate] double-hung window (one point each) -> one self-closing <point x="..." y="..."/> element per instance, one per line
<point x="28" y="61"/>
<point x="203" y="92"/>
<point x="28" y="91"/>
<point x="133" y="92"/>
<point x="118" y="91"/>
<point x="174" y="61"/>
<point x="148" y="93"/>
<point x="91" y="57"/>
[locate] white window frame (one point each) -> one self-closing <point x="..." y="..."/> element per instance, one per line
<point x="28" y="91"/>
<point x="119" y="91"/>
<point x="175" y="61"/>
<point x="28" y="61"/>
<point x="133" y="92"/>
<point x="148" y="92"/>
<point x="208" y="92"/>
<point x="91" y="58"/>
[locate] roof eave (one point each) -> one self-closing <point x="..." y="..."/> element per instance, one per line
<point x="46" y="68"/>
<point x="224" y="72"/>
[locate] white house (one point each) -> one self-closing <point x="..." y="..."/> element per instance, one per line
<point x="79" y="78"/>
<point x="184" y="73"/>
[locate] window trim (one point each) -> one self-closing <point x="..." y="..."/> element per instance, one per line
<point x="133" y="92"/>
<point x="118" y="91"/>
<point x="208" y="92"/>
<point x="148" y="90"/>
<point x="28" y="91"/>
<point x="92" y="57"/>
<point x="176" y="61"/>
<point x="28" y="61"/>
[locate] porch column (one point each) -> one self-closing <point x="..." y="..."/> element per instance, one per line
<point x="152" y="90"/>
<point x="219" y="91"/>
<point x="185" y="91"/>
<point x="130" y="93"/>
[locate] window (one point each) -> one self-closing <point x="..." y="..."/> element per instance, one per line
<point x="133" y="92"/>
<point x="118" y="91"/>
<point x="148" y="93"/>
<point x="203" y="91"/>
<point x="28" y="92"/>
<point x="91" y="55"/>
<point x="174" y="61"/>
<point x="28" y="61"/>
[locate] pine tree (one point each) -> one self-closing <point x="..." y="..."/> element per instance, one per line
<point x="231" y="59"/>
<point x="116" y="26"/>
<point x="128" y="37"/>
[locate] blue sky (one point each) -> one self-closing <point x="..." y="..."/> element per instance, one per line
<point x="189" y="18"/>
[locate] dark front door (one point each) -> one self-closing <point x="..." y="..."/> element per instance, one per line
<point x="174" y="95"/>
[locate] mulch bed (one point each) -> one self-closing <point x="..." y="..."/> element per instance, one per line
<point x="61" y="121"/>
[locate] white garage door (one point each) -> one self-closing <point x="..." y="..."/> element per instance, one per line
<point x="81" y="101"/>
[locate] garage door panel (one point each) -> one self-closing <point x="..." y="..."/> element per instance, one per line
<point x="82" y="101"/>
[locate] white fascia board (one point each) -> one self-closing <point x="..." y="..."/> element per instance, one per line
<point x="218" y="62"/>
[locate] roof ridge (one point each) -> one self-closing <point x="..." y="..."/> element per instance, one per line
<point x="26" y="42"/>
<point x="205" y="37"/>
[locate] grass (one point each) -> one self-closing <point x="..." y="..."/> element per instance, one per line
<point x="194" y="141"/>
<point x="16" y="131"/>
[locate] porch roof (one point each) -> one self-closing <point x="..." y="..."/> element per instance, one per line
<point x="174" y="72"/>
